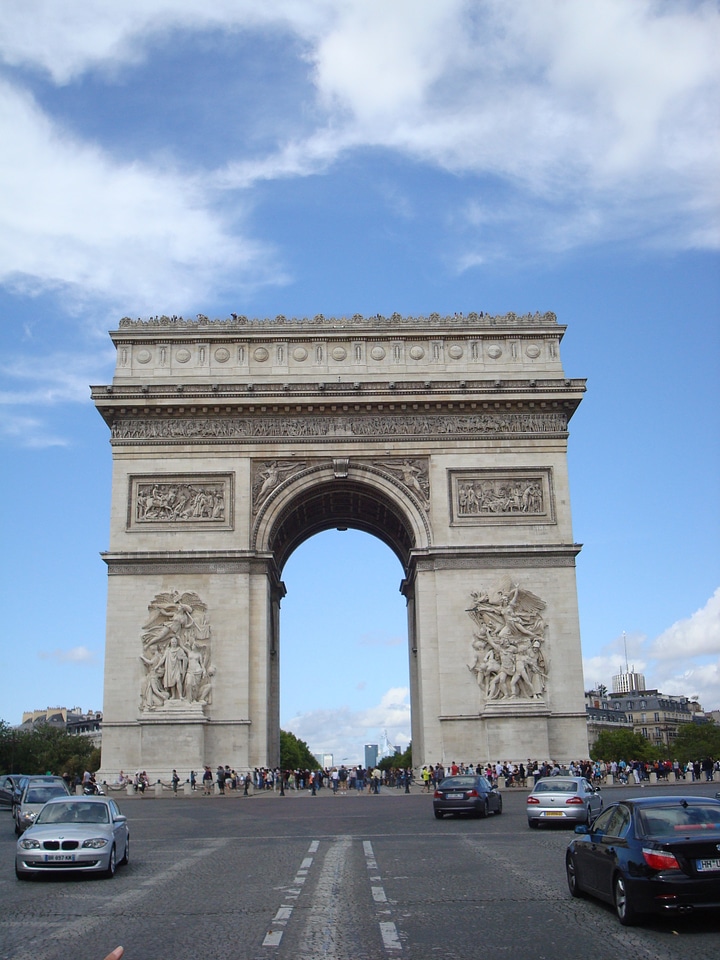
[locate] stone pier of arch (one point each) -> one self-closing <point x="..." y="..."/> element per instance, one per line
<point x="235" y="440"/>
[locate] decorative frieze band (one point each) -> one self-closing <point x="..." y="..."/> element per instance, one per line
<point x="504" y="496"/>
<point x="333" y="427"/>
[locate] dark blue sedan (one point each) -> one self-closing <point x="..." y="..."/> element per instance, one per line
<point x="649" y="855"/>
<point x="466" y="793"/>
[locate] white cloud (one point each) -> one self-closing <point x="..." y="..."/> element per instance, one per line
<point x="81" y="35"/>
<point x="72" y="217"/>
<point x="683" y="660"/>
<point x="606" y="112"/>
<point x="694" y="636"/>
<point x="29" y="432"/>
<point x="344" y="732"/>
<point x="78" y="655"/>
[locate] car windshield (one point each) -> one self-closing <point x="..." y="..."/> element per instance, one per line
<point x="455" y="782"/>
<point x="679" y="819"/>
<point x="556" y="786"/>
<point x="74" y="813"/>
<point x="43" y="794"/>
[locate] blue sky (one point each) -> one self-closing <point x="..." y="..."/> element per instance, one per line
<point x="356" y="156"/>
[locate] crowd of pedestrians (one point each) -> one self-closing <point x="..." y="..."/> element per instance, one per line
<point x="359" y="780"/>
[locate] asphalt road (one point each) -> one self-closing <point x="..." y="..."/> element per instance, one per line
<point x="342" y="878"/>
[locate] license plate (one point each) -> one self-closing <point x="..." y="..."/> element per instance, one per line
<point x="554" y="813"/>
<point x="455" y="796"/>
<point x="713" y="864"/>
<point x="60" y="856"/>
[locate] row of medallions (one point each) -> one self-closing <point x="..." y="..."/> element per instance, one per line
<point x="436" y="352"/>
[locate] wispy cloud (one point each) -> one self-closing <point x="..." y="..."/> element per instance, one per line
<point x="74" y="655"/>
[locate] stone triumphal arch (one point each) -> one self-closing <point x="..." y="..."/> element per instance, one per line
<point x="235" y="440"/>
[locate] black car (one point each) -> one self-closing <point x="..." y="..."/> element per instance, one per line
<point x="649" y="855"/>
<point x="466" y="793"/>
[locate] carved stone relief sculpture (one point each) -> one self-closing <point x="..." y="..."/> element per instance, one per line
<point x="181" y="501"/>
<point x="267" y="477"/>
<point x="508" y="659"/>
<point x="176" y="653"/>
<point x="413" y="474"/>
<point x="508" y="496"/>
<point x="500" y="496"/>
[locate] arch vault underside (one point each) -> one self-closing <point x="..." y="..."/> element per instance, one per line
<point x="234" y="441"/>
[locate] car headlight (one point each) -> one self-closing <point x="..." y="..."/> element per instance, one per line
<point x="95" y="843"/>
<point x="27" y="843"/>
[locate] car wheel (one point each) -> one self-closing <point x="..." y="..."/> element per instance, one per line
<point x="112" y="864"/>
<point x="534" y="824"/>
<point x="572" y="880"/>
<point x="484" y="811"/>
<point x="499" y="807"/>
<point x="624" y="909"/>
<point x="126" y="855"/>
<point x="22" y="876"/>
<point x="438" y="814"/>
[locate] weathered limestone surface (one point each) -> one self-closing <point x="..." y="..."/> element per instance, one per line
<point x="235" y="440"/>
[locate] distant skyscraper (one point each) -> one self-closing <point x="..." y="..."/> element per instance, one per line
<point x="371" y="754"/>
<point x="627" y="682"/>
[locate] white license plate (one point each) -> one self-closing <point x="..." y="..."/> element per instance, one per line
<point x="60" y="856"/>
<point x="713" y="864"/>
<point x="455" y="796"/>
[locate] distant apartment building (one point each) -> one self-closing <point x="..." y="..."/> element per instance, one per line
<point x="73" y="720"/>
<point x="654" y="715"/>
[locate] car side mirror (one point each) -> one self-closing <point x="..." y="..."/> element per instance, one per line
<point x="582" y="828"/>
<point x="120" y="819"/>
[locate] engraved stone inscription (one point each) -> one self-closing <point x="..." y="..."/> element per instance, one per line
<point x="507" y="648"/>
<point x="176" y="653"/>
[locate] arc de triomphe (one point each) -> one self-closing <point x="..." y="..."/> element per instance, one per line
<point x="235" y="440"/>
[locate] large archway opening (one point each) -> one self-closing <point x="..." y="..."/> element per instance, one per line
<point x="344" y="670"/>
<point x="361" y="508"/>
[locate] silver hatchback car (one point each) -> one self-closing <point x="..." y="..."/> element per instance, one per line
<point x="563" y="799"/>
<point x="87" y="834"/>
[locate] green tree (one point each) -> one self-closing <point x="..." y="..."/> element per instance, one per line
<point x="45" y="748"/>
<point x="622" y="745"/>
<point x="397" y="760"/>
<point x="695" y="741"/>
<point x="295" y="754"/>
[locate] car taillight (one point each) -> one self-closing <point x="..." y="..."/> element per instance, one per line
<point x="660" y="859"/>
<point x="533" y="800"/>
<point x="575" y="800"/>
<point x="472" y="793"/>
<point x="437" y="795"/>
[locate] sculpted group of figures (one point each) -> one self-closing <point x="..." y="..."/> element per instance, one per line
<point x="179" y="501"/>
<point x="176" y="643"/>
<point x="502" y="496"/>
<point x="508" y="659"/>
